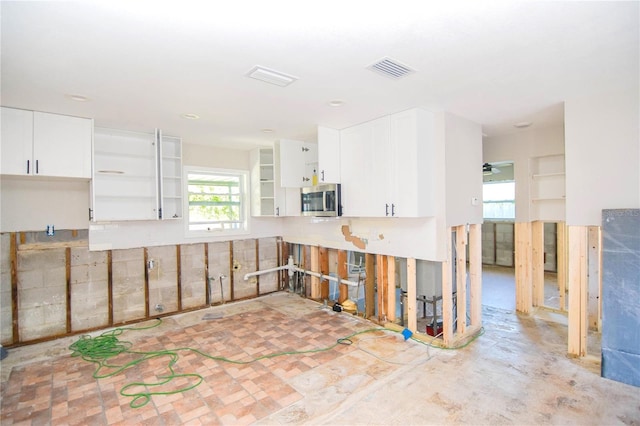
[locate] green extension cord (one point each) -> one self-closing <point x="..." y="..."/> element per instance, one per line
<point x="100" y="349"/>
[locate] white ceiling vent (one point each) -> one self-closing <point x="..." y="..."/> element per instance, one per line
<point x="271" y="76"/>
<point x="391" y="68"/>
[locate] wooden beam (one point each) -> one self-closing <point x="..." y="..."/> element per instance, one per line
<point x="523" y="266"/>
<point x="447" y="294"/>
<point x="67" y="262"/>
<point x="324" y="269"/>
<point x="412" y="316"/>
<point x="537" y="263"/>
<point x="315" y="265"/>
<point x="342" y="274"/>
<point x="146" y="281"/>
<point x="475" y="274"/>
<point x="110" y="286"/>
<point x="13" y="249"/>
<point x="461" y="278"/>
<point x="207" y="297"/>
<point x="391" y="288"/>
<point x="257" y="253"/>
<point x="594" y="259"/>
<point x="231" y="273"/>
<point x="381" y="280"/>
<point x="369" y="285"/>
<point x="577" y="327"/>
<point x="561" y="249"/>
<point x="179" y="272"/>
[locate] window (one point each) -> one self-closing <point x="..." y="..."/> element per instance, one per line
<point x="499" y="200"/>
<point x="216" y="200"/>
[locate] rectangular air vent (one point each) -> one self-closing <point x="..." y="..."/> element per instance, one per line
<point x="391" y="68"/>
<point x="271" y="76"/>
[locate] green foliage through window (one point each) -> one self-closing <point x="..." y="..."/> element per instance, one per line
<point x="215" y="201"/>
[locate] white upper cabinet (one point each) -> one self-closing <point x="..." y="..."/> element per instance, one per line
<point x="44" y="144"/>
<point x="384" y="166"/>
<point x="328" y="155"/>
<point x="268" y="198"/>
<point x="137" y="176"/>
<point x="298" y="161"/>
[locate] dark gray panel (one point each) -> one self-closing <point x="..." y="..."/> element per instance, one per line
<point x="621" y="295"/>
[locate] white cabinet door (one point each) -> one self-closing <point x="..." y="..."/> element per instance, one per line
<point x="298" y="160"/>
<point x="412" y="154"/>
<point x="328" y="155"/>
<point x="363" y="168"/>
<point x="17" y="141"/>
<point x="62" y="145"/>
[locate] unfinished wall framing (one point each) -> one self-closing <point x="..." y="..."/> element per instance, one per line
<point x="59" y="288"/>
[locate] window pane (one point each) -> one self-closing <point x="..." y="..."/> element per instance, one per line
<point x="215" y="201"/>
<point x="499" y="200"/>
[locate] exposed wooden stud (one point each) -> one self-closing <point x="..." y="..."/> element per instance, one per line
<point x="391" y="288"/>
<point x="412" y="316"/>
<point x="231" y="275"/>
<point x="461" y="279"/>
<point x="67" y="261"/>
<point x="475" y="274"/>
<point x="523" y="266"/>
<point x="561" y="249"/>
<point x="595" y="278"/>
<point x="447" y="294"/>
<point x="257" y="252"/>
<point x="179" y="272"/>
<point x="74" y="233"/>
<point x="146" y="282"/>
<point x="381" y="281"/>
<point x="207" y="296"/>
<point x="13" y="249"/>
<point x="23" y="238"/>
<point x="537" y="262"/>
<point x="110" y="286"/>
<point x="315" y="265"/>
<point x="343" y="274"/>
<point x="369" y="285"/>
<point x="324" y="269"/>
<point x="577" y="325"/>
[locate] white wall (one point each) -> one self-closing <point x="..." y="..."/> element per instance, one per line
<point x="603" y="155"/>
<point x="31" y="203"/>
<point x="519" y="147"/>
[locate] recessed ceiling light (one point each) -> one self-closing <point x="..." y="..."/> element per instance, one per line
<point x="523" y="124"/>
<point x="190" y="116"/>
<point x="267" y="130"/>
<point x="336" y="103"/>
<point x="271" y="76"/>
<point x="77" y="98"/>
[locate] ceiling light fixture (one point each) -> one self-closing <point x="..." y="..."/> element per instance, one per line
<point x="523" y="124"/>
<point x="190" y="116"/>
<point x="271" y="76"/>
<point x="336" y="103"/>
<point x="77" y="98"/>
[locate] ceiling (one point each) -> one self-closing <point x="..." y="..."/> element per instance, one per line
<point x="142" y="65"/>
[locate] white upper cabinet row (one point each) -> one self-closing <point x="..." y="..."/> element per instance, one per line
<point x="137" y="176"/>
<point x="43" y="144"/>
<point x="383" y="168"/>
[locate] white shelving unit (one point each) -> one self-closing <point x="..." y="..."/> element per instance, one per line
<point x="547" y="187"/>
<point x="135" y="177"/>
<point x="263" y="183"/>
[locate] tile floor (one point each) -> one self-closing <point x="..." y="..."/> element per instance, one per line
<point x="516" y="373"/>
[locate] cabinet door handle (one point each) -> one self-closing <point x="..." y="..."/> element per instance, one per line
<point x="386" y="209"/>
<point x="37" y="169"/>
<point x="322" y="173"/>
<point x="28" y="164"/>
<point x="393" y="209"/>
<point x="277" y="211"/>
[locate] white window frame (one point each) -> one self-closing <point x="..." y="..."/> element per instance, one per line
<point x="245" y="199"/>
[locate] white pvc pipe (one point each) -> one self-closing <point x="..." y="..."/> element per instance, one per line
<point x="291" y="268"/>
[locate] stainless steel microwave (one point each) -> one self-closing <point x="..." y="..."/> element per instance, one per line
<point x="321" y="200"/>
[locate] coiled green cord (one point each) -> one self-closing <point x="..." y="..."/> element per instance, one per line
<point x="99" y="350"/>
